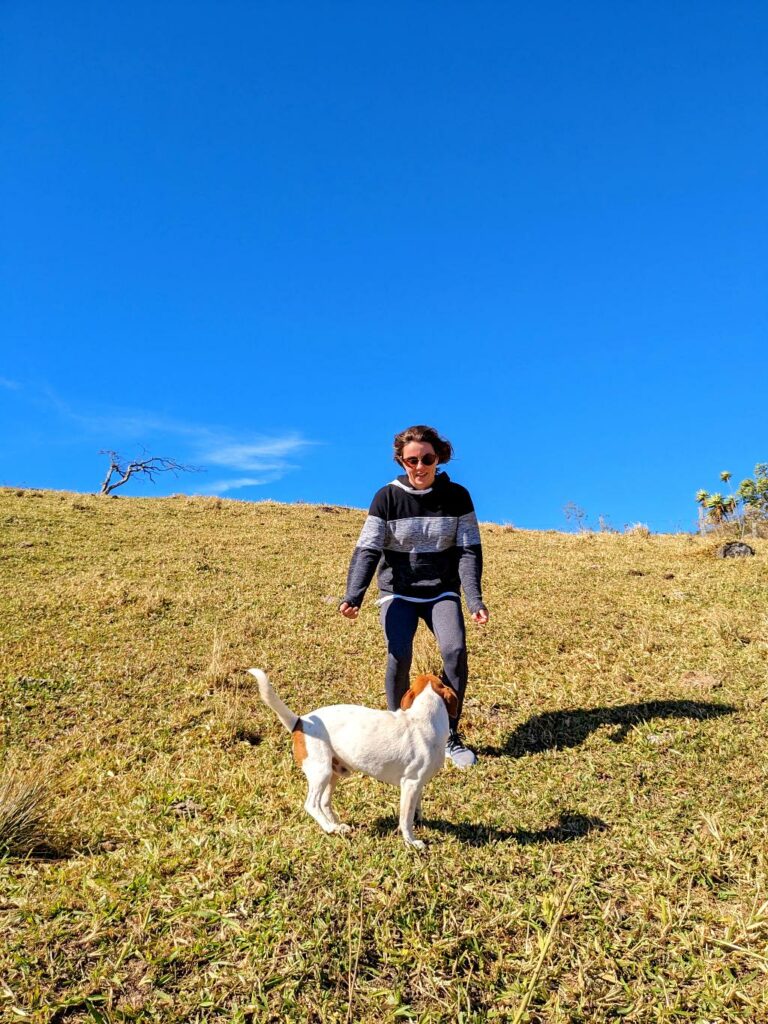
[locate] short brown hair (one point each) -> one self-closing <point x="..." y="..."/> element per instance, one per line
<point x="424" y="435"/>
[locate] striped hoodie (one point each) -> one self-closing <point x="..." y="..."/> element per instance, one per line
<point x="424" y="542"/>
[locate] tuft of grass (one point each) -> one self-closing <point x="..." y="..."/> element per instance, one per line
<point x="640" y="530"/>
<point x="24" y="824"/>
<point x="235" y="707"/>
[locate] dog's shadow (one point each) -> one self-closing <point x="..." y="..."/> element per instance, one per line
<point x="559" y="730"/>
<point x="570" y="826"/>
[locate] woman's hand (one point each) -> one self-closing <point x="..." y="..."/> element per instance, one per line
<point x="349" y="611"/>
<point x="481" y="617"/>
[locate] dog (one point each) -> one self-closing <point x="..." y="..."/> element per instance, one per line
<point x="404" y="748"/>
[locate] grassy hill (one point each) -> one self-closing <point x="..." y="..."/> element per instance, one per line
<point x="606" y="860"/>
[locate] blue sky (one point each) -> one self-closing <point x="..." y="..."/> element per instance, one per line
<point x="262" y="237"/>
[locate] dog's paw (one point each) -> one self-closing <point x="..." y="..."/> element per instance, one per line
<point x="342" y="829"/>
<point x="416" y="844"/>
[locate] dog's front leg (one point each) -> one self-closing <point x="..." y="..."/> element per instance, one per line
<point x="410" y="798"/>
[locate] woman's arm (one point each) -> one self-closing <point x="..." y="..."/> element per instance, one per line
<point x="471" y="561"/>
<point x="362" y="566"/>
<point x="365" y="557"/>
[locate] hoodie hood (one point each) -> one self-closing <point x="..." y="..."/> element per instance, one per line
<point x="402" y="481"/>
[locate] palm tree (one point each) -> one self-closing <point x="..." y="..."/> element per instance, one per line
<point x="719" y="508"/>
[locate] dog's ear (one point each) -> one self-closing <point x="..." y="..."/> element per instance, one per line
<point x="419" y="683"/>
<point x="450" y="698"/>
<point x="408" y="698"/>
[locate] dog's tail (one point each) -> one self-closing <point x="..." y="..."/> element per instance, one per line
<point x="271" y="699"/>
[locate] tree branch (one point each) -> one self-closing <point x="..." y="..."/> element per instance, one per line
<point x="148" y="466"/>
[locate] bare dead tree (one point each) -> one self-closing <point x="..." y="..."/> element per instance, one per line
<point x="120" y="470"/>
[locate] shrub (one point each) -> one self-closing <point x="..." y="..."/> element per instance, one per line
<point x="637" y="530"/>
<point x="23" y="820"/>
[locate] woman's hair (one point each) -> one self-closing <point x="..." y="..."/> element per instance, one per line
<point x="425" y="435"/>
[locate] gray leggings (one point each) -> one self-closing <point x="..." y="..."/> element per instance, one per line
<point x="444" y="618"/>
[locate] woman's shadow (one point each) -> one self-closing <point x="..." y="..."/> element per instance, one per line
<point x="558" y="730"/>
<point x="570" y="825"/>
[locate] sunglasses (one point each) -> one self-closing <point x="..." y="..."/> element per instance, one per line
<point x="425" y="460"/>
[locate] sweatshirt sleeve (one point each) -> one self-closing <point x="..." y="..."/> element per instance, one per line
<point x="470" y="557"/>
<point x="365" y="557"/>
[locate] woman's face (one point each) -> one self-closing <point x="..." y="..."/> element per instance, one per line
<point x="420" y="476"/>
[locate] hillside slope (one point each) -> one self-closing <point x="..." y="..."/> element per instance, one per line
<point x="617" y="700"/>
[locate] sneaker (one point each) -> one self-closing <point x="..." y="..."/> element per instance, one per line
<point x="461" y="756"/>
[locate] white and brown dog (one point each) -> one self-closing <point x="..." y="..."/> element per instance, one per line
<point x="404" y="748"/>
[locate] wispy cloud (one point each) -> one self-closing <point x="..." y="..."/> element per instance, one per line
<point x="254" y="460"/>
<point x="261" y="453"/>
<point x="269" y="457"/>
<point x="128" y="426"/>
<point x="235" y="484"/>
<point x="9" y="385"/>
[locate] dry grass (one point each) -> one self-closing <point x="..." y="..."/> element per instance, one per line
<point x="24" y="827"/>
<point x="618" y="701"/>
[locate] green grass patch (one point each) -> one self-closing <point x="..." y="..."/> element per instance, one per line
<point x="605" y="861"/>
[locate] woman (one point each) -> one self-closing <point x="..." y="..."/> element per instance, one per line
<point x="422" y="533"/>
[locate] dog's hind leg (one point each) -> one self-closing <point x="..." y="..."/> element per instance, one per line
<point x="410" y="800"/>
<point x="326" y="804"/>
<point x="319" y="778"/>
